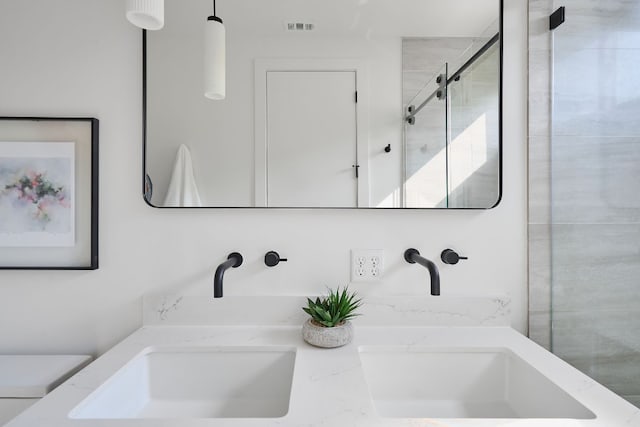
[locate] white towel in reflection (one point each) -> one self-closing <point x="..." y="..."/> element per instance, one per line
<point x="183" y="190"/>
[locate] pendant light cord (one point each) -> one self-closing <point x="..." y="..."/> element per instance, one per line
<point x="214" y="17"/>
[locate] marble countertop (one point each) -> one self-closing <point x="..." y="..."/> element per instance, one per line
<point x="329" y="387"/>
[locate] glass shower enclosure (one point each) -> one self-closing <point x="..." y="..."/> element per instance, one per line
<point x="595" y="192"/>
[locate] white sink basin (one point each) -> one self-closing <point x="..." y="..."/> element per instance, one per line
<point x="462" y="383"/>
<point x="208" y="382"/>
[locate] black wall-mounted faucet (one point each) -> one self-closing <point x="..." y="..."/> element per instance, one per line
<point x="234" y="260"/>
<point x="412" y="256"/>
<point x="272" y="258"/>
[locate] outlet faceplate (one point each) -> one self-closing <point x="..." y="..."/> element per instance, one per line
<point x="367" y="265"/>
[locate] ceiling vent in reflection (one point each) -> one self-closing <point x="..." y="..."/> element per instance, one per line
<point x="300" y="26"/>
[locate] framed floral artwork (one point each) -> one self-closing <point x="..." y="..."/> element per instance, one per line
<point x="48" y="193"/>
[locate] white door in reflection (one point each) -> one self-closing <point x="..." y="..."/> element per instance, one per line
<point x="311" y="139"/>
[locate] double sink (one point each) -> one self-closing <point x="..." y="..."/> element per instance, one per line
<point x="256" y="382"/>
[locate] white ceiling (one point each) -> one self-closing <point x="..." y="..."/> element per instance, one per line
<point x="368" y="18"/>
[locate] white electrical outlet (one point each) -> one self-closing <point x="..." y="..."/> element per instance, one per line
<point x="367" y="265"/>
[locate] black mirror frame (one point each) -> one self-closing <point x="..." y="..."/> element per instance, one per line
<point x="146" y="183"/>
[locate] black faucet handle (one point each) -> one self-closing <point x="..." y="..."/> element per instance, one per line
<point x="272" y="258"/>
<point x="449" y="256"/>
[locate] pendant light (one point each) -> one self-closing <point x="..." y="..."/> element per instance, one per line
<point x="214" y="57"/>
<point x="146" y="14"/>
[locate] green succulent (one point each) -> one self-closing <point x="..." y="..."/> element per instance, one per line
<point x="334" y="309"/>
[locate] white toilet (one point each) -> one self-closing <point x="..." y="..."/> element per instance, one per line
<point x="26" y="379"/>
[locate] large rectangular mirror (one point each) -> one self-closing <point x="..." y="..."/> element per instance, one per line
<point x="326" y="103"/>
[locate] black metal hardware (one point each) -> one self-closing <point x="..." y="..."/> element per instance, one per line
<point x="412" y="256"/>
<point x="272" y="258"/>
<point x="356" y="97"/>
<point x="449" y="256"/>
<point x="234" y="260"/>
<point x="410" y="116"/>
<point x="557" y="18"/>
<point x="387" y="149"/>
<point x="456" y="75"/>
<point x="357" y="168"/>
<point x="214" y="17"/>
<point x="443" y="82"/>
<point x="441" y="92"/>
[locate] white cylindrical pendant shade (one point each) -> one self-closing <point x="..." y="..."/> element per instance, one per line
<point x="147" y="14"/>
<point x="214" y="60"/>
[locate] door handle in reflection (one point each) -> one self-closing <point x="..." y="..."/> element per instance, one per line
<point x="357" y="168"/>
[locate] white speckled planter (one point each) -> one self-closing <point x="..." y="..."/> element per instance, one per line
<point x="320" y="336"/>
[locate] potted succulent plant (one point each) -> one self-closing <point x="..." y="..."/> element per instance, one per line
<point x="329" y="325"/>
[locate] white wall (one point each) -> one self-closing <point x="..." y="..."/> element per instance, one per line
<point x="82" y="58"/>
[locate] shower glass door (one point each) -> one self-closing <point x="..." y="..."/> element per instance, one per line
<point x="425" y="181"/>
<point x="595" y="175"/>
<point x="474" y="136"/>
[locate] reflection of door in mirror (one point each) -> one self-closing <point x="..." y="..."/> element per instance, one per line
<point x="311" y="139"/>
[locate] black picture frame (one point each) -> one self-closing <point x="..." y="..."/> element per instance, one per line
<point x="79" y="136"/>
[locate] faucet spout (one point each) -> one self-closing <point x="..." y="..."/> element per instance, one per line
<point x="412" y="256"/>
<point x="234" y="260"/>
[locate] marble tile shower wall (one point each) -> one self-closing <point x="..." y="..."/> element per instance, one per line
<point x="584" y="175"/>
